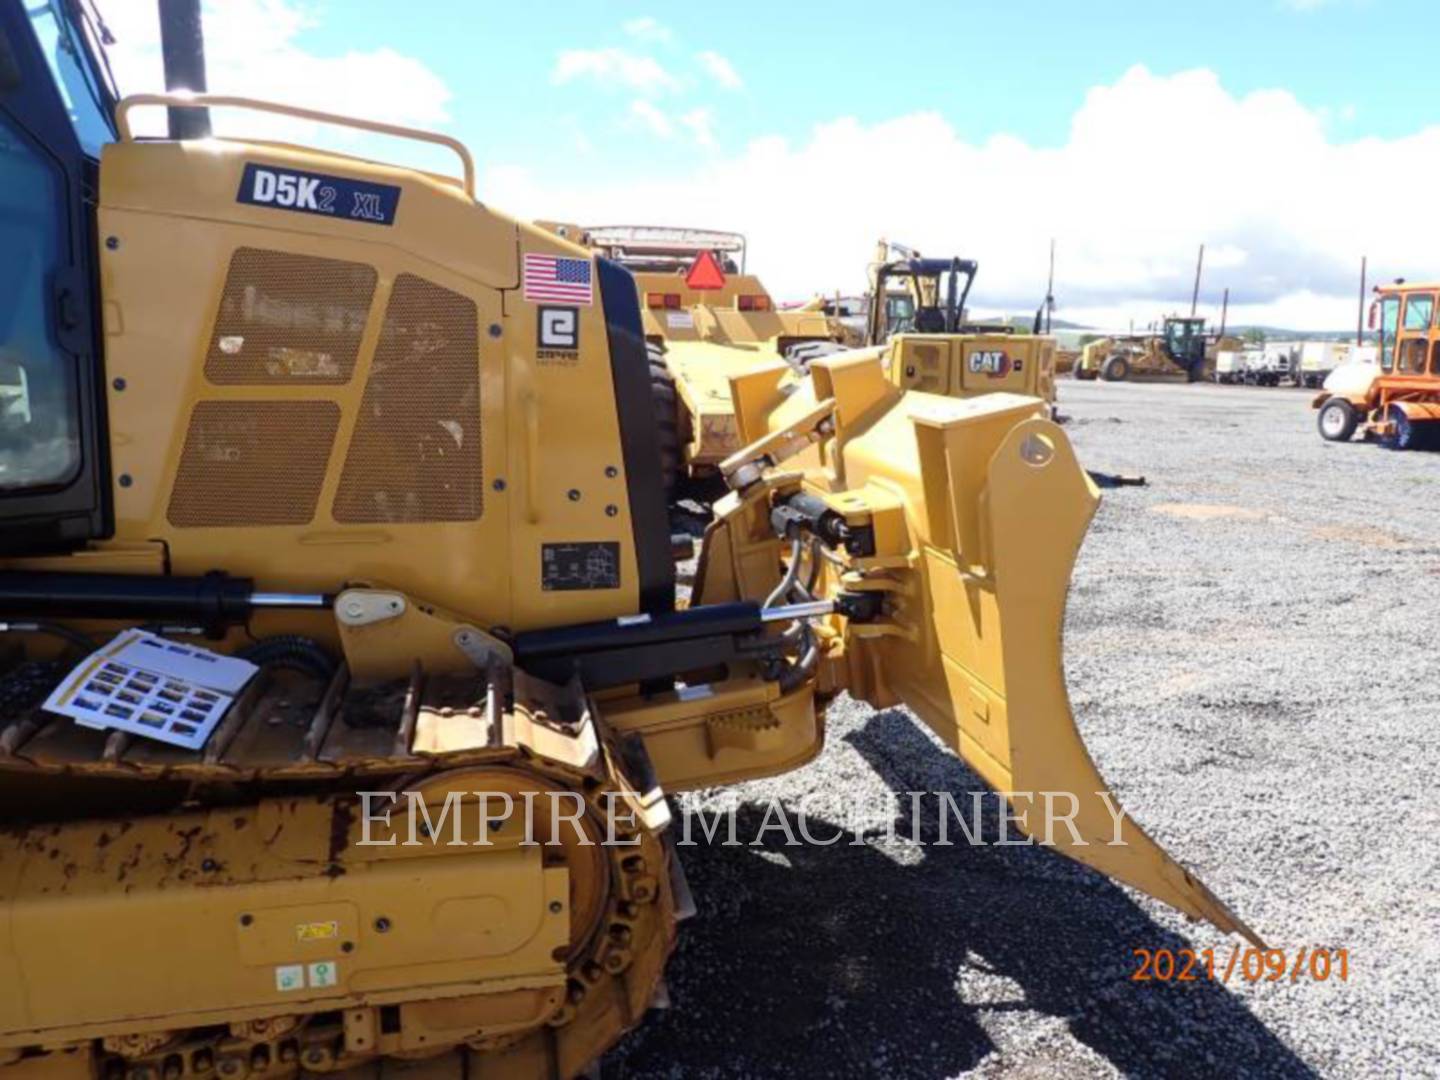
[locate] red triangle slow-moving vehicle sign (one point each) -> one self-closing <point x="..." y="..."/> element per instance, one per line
<point x="705" y="272"/>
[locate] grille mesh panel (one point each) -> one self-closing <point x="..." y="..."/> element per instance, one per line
<point x="415" y="454"/>
<point x="253" y="463"/>
<point x="289" y="319"/>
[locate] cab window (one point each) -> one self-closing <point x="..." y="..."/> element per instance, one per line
<point x="1412" y="356"/>
<point x="899" y="313"/>
<point x="1418" y="309"/>
<point x="1178" y="335"/>
<point x="39" y="441"/>
<point x="76" y="79"/>
<point x="1389" y="319"/>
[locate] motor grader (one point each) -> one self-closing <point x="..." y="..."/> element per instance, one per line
<point x="1180" y="351"/>
<point x="382" y="460"/>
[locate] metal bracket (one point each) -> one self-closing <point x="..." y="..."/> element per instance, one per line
<point x="481" y="649"/>
<point x="361" y="607"/>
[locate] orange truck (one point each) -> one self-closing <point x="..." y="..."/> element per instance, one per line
<point x="1395" y="400"/>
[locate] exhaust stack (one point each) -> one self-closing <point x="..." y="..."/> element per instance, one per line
<point x="182" y="47"/>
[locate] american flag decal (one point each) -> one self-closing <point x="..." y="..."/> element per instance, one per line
<point x="550" y="278"/>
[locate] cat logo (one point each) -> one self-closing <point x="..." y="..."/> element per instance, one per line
<point x="992" y="363"/>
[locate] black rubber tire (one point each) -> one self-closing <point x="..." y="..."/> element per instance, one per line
<point x="667" y="419"/>
<point x="1405" y="436"/>
<point x="802" y="354"/>
<point x="1115" y="369"/>
<point x="1341" y="429"/>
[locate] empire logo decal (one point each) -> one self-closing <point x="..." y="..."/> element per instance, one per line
<point x="558" y="334"/>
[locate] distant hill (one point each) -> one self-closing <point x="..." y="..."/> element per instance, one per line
<point x="1065" y="328"/>
<point x="1025" y="322"/>
<point x="1280" y="333"/>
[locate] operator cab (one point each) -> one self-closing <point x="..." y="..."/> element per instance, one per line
<point x="56" y="111"/>
<point x="1185" y="341"/>
<point x="930" y="298"/>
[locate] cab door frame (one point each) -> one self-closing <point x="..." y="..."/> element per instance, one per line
<point x="1406" y="333"/>
<point x="64" y="516"/>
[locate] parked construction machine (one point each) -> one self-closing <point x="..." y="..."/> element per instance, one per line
<point x="1180" y="351"/>
<point x="705" y="319"/>
<point x="342" y="677"/>
<point x="930" y="344"/>
<point x="1395" y="400"/>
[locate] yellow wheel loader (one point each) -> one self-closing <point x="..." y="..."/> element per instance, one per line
<point x="1180" y="352"/>
<point x="342" y="679"/>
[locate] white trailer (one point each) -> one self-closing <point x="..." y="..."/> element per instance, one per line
<point x="1319" y="358"/>
<point x="1258" y="365"/>
<point x="1271" y="364"/>
<point x="1229" y="366"/>
<point x="1282" y="361"/>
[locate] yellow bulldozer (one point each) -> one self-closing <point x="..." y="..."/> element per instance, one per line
<point x="1180" y="351"/>
<point x="342" y="676"/>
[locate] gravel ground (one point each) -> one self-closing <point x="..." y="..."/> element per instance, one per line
<point x="1252" y="656"/>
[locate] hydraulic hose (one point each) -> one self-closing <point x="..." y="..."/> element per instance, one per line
<point x="795" y="676"/>
<point x="801" y="633"/>
<point x="792" y="573"/>
<point x="33" y="626"/>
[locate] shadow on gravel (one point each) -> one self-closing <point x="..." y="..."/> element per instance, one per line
<point x="843" y="961"/>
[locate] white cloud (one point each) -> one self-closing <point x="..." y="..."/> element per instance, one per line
<point x="700" y="123"/>
<point x="1285" y="213"/>
<point x="697" y="123"/>
<point x="720" y="70"/>
<point x="655" y="121"/>
<point x="251" y="50"/>
<point x="614" y="67"/>
<point x="647" y="28"/>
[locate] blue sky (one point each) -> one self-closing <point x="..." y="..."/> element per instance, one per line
<point x="989" y="67"/>
<point x="1131" y="131"/>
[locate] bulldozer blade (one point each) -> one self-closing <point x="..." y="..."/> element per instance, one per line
<point x="988" y="676"/>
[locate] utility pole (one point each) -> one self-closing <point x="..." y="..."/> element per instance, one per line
<point x="1224" y="310"/>
<point x="1360" y="316"/>
<point x="1195" y="293"/>
<point x="1050" y="288"/>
